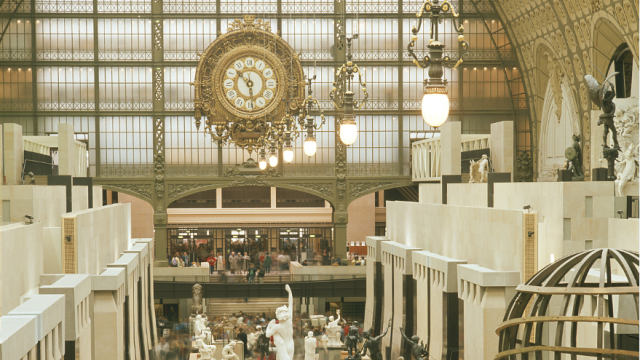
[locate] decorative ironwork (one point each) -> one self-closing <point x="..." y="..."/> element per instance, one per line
<point x="177" y="190"/>
<point x="158" y="78"/>
<point x="157" y="34"/>
<point x="436" y="58"/>
<point x="358" y="189"/>
<point x="325" y="189"/>
<point x="126" y="170"/>
<point x="172" y="171"/>
<point x="143" y="190"/>
<point x="250" y="181"/>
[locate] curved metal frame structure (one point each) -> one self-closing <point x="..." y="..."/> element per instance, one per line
<point x="521" y="334"/>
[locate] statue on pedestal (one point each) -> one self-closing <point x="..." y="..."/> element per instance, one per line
<point x="524" y="167"/>
<point x="310" y="345"/>
<point x="602" y="96"/>
<point x="206" y="351"/>
<point x="228" y="352"/>
<point x="479" y="171"/>
<point x="373" y="343"/>
<point x="418" y="350"/>
<point x="573" y="154"/>
<point x="196" y="292"/>
<point x="324" y="342"/>
<point x="198" y="325"/>
<point x="352" y="341"/>
<point x="283" y="332"/>
<point x="333" y="329"/>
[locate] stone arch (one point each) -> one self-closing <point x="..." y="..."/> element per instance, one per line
<point x="322" y="190"/>
<point x="556" y="130"/>
<point x="358" y="189"/>
<point x="606" y="37"/>
<point x="140" y="191"/>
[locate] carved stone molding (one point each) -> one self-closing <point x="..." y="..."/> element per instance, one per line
<point x="144" y="190"/>
<point x="250" y="181"/>
<point x="325" y="189"/>
<point x="358" y="189"/>
<point x="175" y="190"/>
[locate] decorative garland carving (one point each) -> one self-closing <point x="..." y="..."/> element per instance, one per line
<point x="144" y="190"/>
<point x="250" y="181"/>
<point x="325" y="189"/>
<point x="360" y="188"/>
<point x="341" y="173"/>
<point x="157" y="34"/>
<point x="175" y="190"/>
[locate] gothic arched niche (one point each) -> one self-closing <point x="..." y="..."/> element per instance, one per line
<point x="559" y="121"/>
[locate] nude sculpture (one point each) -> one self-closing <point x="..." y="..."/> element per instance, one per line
<point x="283" y="331"/>
<point x="333" y="329"/>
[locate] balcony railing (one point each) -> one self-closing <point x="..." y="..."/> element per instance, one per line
<point x="426" y="155"/>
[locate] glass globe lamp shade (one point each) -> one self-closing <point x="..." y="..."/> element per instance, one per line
<point x="435" y="109"/>
<point x="262" y="163"/>
<point x="287" y="154"/>
<point x="310" y="146"/>
<point x="348" y="131"/>
<point x="273" y="160"/>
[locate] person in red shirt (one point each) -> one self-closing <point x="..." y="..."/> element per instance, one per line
<point x="261" y="258"/>
<point x="212" y="262"/>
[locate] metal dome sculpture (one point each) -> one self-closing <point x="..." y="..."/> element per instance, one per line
<point x="558" y="323"/>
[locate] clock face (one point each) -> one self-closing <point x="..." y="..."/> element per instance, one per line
<point x="250" y="84"/>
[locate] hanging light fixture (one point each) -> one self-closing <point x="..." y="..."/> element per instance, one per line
<point x="307" y="122"/>
<point x="287" y="149"/>
<point x="342" y="93"/>
<point x="262" y="163"/>
<point x="435" y="103"/>
<point x="273" y="156"/>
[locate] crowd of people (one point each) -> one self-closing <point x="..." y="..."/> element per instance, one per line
<point x="176" y="343"/>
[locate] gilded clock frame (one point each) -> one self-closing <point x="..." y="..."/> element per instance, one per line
<point x="239" y="54"/>
<point x="247" y="37"/>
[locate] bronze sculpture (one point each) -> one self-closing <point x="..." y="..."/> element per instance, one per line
<point x="373" y="343"/>
<point x="352" y="340"/>
<point x="602" y="96"/>
<point x="574" y="158"/>
<point x="418" y="350"/>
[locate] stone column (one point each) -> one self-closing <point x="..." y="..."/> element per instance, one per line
<point x="160" y="236"/>
<point x="142" y="250"/>
<point x="502" y="146"/>
<point x="444" y="316"/>
<point x="485" y="295"/>
<point x="402" y="293"/>
<point x="151" y="316"/>
<point x="340" y="220"/>
<point x="13" y="154"/>
<point x="423" y="294"/>
<point x="131" y="262"/>
<point x="66" y="150"/>
<point x="450" y="155"/>
<point x="77" y="329"/>
<point x="108" y="314"/>
<point x="450" y="142"/>
<point x="375" y="285"/>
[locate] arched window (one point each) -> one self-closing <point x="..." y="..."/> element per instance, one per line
<point x="622" y="63"/>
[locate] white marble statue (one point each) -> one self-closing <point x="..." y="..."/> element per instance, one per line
<point x="208" y="338"/>
<point x="626" y="168"/>
<point x="228" y="352"/>
<point x="206" y="351"/>
<point x="333" y="329"/>
<point x="198" y="325"/>
<point x="251" y="340"/>
<point x="479" y="171"/>
<point x="283" y="332"/>
<point x="324" y="342"/>
<point x="310" y="345"/>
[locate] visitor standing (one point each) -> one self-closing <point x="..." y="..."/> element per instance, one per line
<point x="212" y="263"/>
<point x="185" y="258"/>
<point x="251" y="274"/>
<point x="233" y="262"/>
<point x="220" y="263"/>
<point x="267" y="263"/>
<point x="246" y="261"/>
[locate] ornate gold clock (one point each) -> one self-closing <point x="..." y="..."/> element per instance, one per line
<point x="245" y="78"/>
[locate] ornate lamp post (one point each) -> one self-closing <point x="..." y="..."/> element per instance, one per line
<point x="342" y="95"/>
<point x="435" y="103"/>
